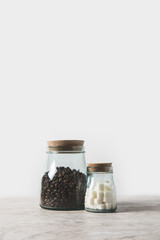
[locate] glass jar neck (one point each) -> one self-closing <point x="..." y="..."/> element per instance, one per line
<point x="101" y="176"/>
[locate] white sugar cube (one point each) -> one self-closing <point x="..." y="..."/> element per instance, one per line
<point x="98" y="201"/>
<point x="90" y="201"/>
<point x="87" y="205"/>
<point x="100" y="194"/>
<point x="99" y="186"/>
<point x="108" y="206"/>
<point x="107" y="186"/>
<point x="107" y="193"/>
<point x="101" y="206"/>
<point x="107" y="199"/>
<point x="92" y="193"/>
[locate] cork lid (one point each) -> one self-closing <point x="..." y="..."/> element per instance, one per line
<point x="65" y="145"/>
<point x="99" y="167"/>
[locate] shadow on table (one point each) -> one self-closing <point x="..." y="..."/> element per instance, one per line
<point x="138" y="206"/>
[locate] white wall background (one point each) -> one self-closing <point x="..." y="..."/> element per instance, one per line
<point x="80" y="70"/>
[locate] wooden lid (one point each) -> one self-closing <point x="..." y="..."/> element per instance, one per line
<point x="65" y="145"/>
<point x="99" y="167"/>
<point x="62" y="143"/>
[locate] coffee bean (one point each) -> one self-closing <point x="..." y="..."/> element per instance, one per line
<point x="65" y="190"/>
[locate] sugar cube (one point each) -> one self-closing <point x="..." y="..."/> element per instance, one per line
<point x="99" y="186"/>
<point x="108" y="206"/>
<point x="98" y="201"/>
<point x="101" y="206"/>
<point x="107" y="193"/>
<point x="107" y="199"/>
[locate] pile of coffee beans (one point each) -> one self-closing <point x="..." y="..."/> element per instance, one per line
<point x="65" y="191"/>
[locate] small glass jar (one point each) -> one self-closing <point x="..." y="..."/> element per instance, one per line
<point x="64" y="180"/>
<point x="101" y="192"/>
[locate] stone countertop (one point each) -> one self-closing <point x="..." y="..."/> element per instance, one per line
<point x="136" y="218"/>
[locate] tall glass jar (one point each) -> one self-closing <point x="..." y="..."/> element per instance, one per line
<point x="64" y="180"/>
<point x="101" y="192"/>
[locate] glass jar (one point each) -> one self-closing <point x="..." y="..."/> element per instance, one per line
<point x="64" y="180"/>
<point x="101" y="192"/>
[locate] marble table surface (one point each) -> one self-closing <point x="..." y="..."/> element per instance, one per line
<point x="136" y="218"/>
